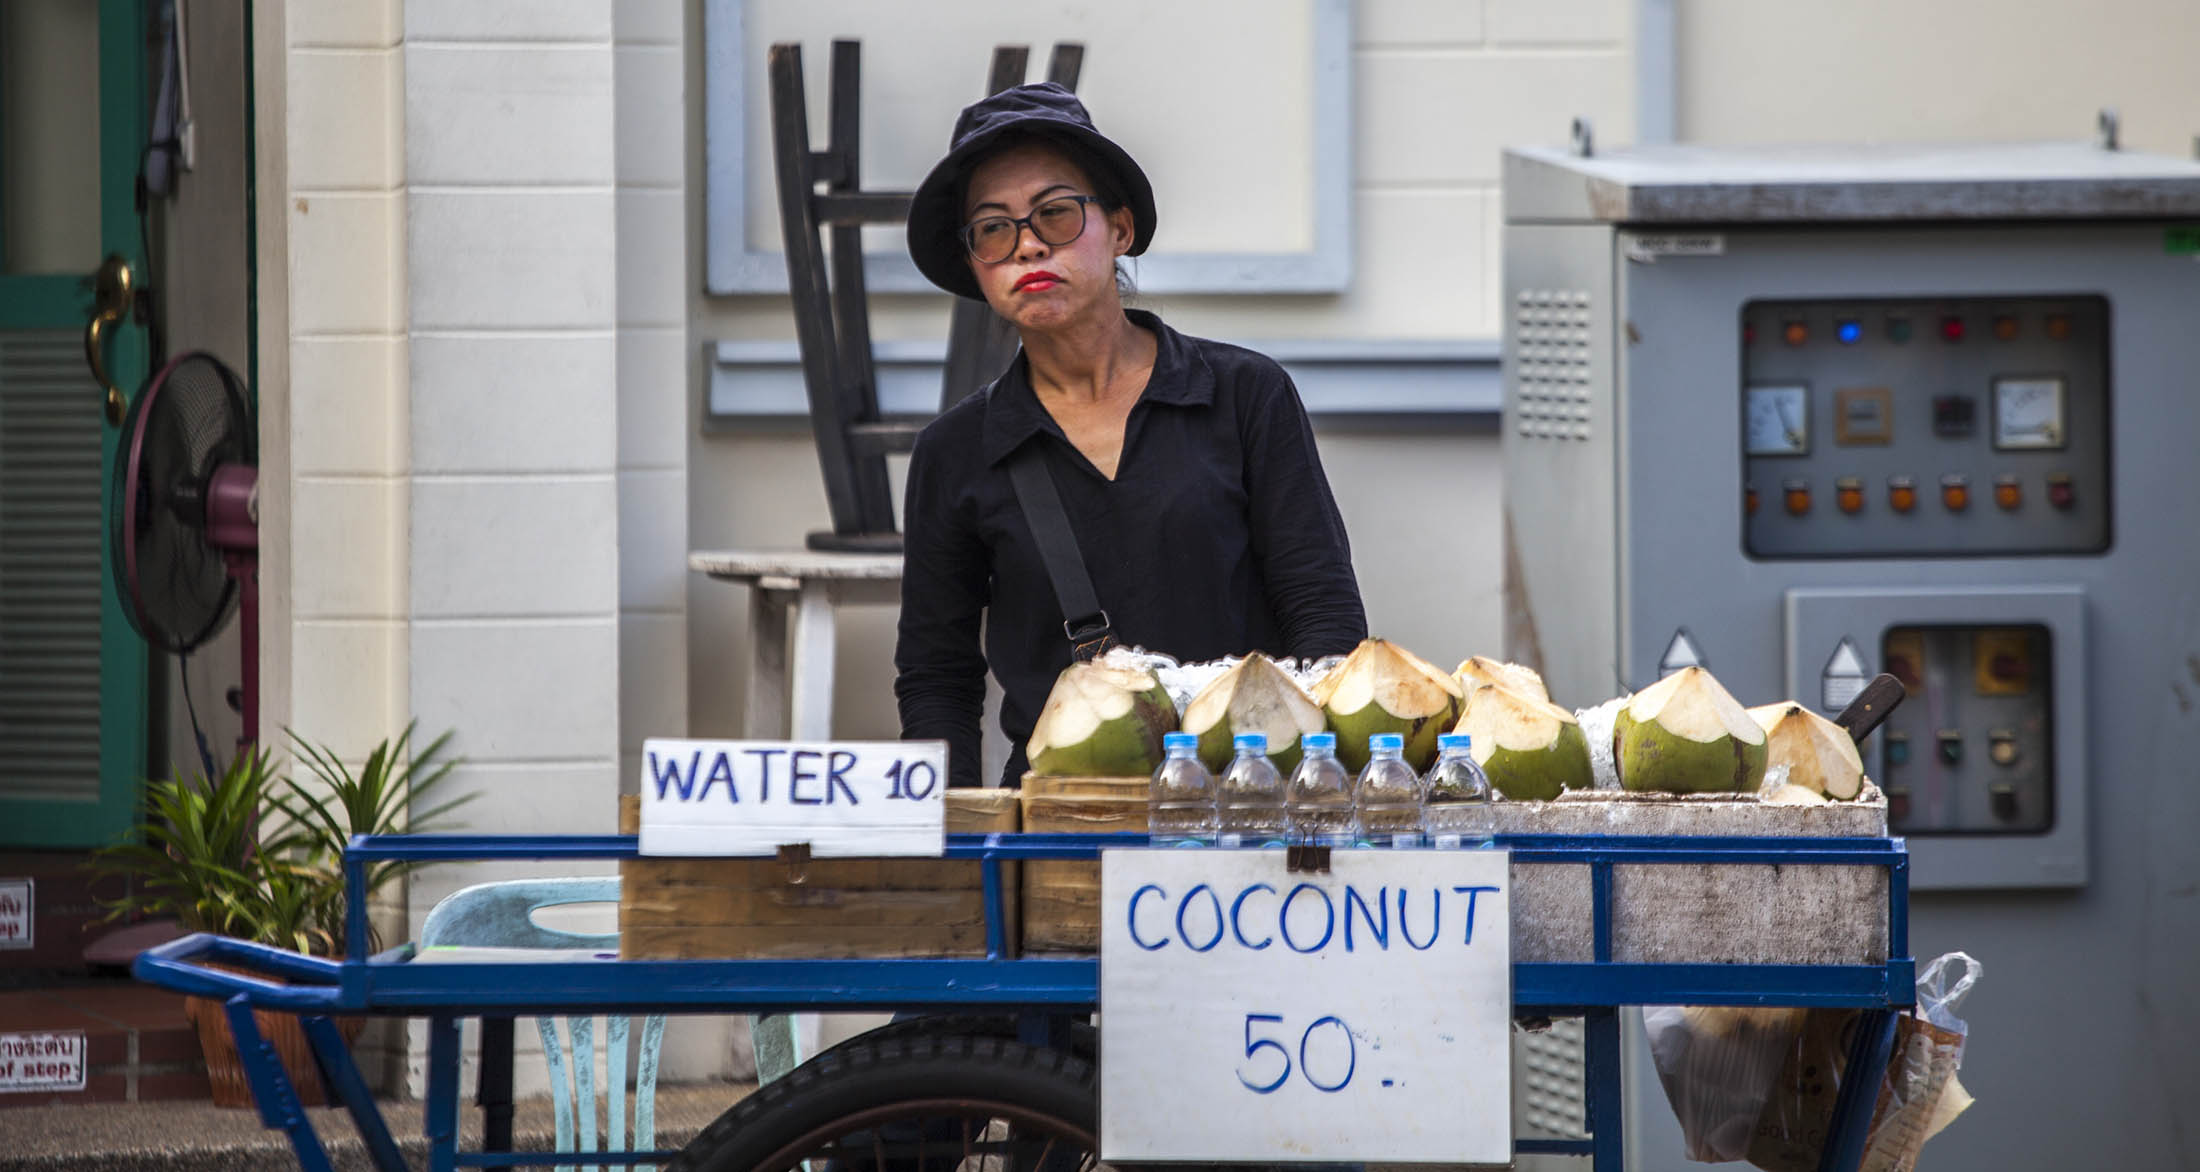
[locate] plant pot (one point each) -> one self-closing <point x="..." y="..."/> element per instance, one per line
<point x="282" y="1030"/>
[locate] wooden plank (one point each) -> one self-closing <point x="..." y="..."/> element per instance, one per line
<point x="764" y="874"/>
<point x="836" y="942"/>
<point x="1061" y="899"/>
<point x="799" y="906"/>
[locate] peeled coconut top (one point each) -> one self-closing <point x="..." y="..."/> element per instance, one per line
<point x="1824" y="752"/>
<point x="1381" y="672"/>
<point x="1483" y="670"/>
<point x="1691" y="704"/>
<point x="1086" y="696"/>
<point x="1256" y="697"/>
<point x="1500" y="718"/>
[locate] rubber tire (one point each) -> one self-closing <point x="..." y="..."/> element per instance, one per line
<point x="859" y="1075"/>
<point x="1084" y="1039"/>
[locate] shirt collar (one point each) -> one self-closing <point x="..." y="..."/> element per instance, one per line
<point x="1181" y="378"/>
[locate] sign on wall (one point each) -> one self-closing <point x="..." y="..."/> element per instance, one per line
<point x="839" y="798"/>
<point x="42" y="1062"/>
<point x="18" y="914"/>
<point x="1254" y="1014"/>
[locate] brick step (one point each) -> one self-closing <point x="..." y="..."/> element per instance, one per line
<point x="138" y="1045"/>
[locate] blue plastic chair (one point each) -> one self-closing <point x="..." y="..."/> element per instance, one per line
<point x="501" y="915"/>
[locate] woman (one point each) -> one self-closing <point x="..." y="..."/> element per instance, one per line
<point x="1186" y="469"/>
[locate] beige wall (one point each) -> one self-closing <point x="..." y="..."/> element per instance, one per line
<point x="1895" y="70"/>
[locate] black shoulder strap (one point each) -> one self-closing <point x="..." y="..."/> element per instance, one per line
<point x="1087" y="626"/>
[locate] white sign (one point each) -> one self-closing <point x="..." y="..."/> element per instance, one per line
<point x="41" y="1062"/>
<point x="1649" y="248"/>
<point x="840" y="798"/>
<point x="1253" y="1014"/>
<point x="1843" y="680"/>
<point x="18" y="918"/>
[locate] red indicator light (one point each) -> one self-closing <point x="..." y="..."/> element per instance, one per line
<point x="1951" y="329"/>
<point x="2061" y="493"/>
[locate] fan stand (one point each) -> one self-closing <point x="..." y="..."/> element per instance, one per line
<point x="232" y="516"/>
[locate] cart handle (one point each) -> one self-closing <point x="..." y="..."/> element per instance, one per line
<point x="180" y="965"/>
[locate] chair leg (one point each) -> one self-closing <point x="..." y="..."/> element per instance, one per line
<point x="583" y="1029"/>
<point x="645" y="1087"/>
<point x="777" y="1044"/>
<point x="614" y="1091"/>
<point x="561" y="1089"/>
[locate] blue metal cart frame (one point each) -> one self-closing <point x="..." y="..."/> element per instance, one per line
<point x="1044" y="990"/>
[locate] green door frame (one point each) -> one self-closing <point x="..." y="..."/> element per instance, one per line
<point x="65" y="301"/>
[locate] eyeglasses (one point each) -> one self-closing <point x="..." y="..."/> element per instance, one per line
<point x="993" y="239"/>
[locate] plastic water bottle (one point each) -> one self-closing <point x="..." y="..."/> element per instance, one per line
<point x="1180" y="810"/>
<point x="1388" y="795"/>
<point x="1320" y="795"/>
<point x="1459" y="796"/>
<point x="1252" y="805"/>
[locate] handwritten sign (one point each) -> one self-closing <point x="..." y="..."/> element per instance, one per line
<point x="18" y="916"/>
<point x="1253" y="1014"/>
<point x="841" y="798"/>
<point x="42" y="1062"/>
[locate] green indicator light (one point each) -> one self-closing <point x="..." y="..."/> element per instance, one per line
<point x="1898" y="329"/>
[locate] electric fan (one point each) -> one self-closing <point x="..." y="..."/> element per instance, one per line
<point x="185" y="515"/>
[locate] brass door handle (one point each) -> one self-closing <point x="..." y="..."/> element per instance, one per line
<point x="110" y="301"/>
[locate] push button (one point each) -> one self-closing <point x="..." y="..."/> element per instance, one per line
<point x="1901" y="493"/>
<point x="1797" y="497"/>
<point x="2008" y="492"/>
<point x="2003" y="797"/>
<point x="1951" y="747"/>
<point x="1898" y="749"/>
<point x="1848" y="492"/>
<point x="1955" y="492"/>
<point x="2061" y="493"/>
<point x="2001" y="746"/>
<point x="1898" y="802"/>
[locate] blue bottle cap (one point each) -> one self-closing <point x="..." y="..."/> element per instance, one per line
<point x="1257" y="742"/>
<point x="1454" y="742"/>
<point x="1325" y="741"/>
<point x="1386" y="742"/>
<point x="1179" y="741"/>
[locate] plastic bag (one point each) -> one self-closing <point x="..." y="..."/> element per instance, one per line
<point x="1760" y="1084"/>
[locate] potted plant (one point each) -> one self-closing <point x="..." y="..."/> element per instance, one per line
<point x="257" y="855"/>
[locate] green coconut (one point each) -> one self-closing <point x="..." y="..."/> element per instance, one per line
<point x="1531" y="748"/>
<point x="1255" y="696"/>
<point x="1480" y="670"/>
<point x="1820" y="755"/>
<point x="1685" y="734"/>
<point x="1383" y="688"/>
<point x="1104" y="718"/>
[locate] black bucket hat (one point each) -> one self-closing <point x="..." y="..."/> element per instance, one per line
<point x="1042" y="110"/>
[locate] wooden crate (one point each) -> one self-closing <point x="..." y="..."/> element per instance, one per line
<point x="673" y="909"/>
<point x="1061" y="898"/>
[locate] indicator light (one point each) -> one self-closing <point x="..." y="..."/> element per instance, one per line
<point x="1797" y="496"/>
<point x="1749" y="500"/>
<point x="1951" y="328"/>
<point x="2058" y="326"/>
<point x="2005" y="327"/>
<point x="1849" y="331"/>
<point x="2061" y="493"/>
<point x="1955" y="492"/>
<point x="1901" y="493"/>
<point x="1898" y="748"/>
<point x="1898" y="329"/>
<point x="1795" y="332"/>
<point x="1848" y="492"/>
<point x="2008" y="492"/>
<point x="1898" y="803"/>
<point x="2001" y="745"/>
<point x="1749" y="334"/>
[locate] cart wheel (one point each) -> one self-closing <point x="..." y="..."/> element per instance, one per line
<point x="1084" y="1040"/>
<point x="911" y="1103"/>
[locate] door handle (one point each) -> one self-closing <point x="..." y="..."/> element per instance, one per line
<point x="111" y="293"/>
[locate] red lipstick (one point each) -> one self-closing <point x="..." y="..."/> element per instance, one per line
<point x="1041" y="279"/>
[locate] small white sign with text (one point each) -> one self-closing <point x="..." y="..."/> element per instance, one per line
<point x="18" y="914"/>
<point x="840" y="798"/>
<point x="1253" y="1014"/>
<point x="42" y="1062"/>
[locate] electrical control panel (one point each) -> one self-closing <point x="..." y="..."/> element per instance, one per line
<point x="1971" y="750"/>
<point x="1945" y="427"/>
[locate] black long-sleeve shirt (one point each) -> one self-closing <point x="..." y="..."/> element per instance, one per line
<point x="1218" y="536"/>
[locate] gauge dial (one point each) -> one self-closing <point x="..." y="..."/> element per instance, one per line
<point x="2028" y="413"/>
<point x="1778" y="421"/>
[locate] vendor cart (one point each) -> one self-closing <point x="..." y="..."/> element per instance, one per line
<point x="1003" y="1065"/>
